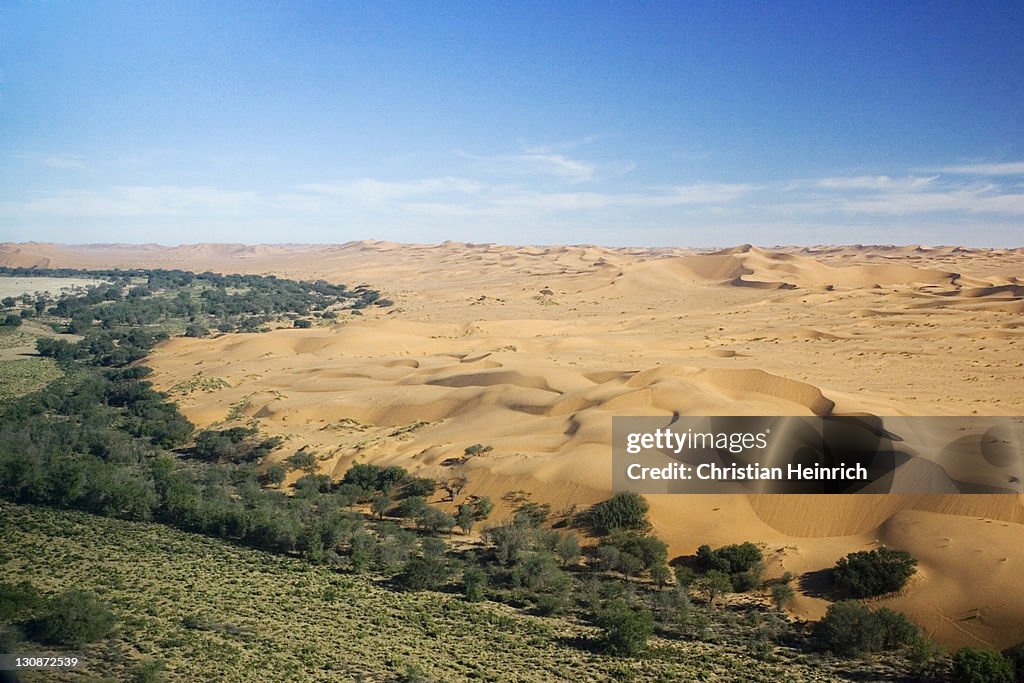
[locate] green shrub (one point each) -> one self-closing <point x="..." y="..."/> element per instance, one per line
<point x="73" y="619"/>
<point x="302" y="460"/>
<point x="626" y="510"/>
<point x="275" y="474"/>
<point x="474" y="583"/>
<point x="419" y="486"/>
<point x="625" y="629"/>
<point x="731" y="559"/>
<point x="874" y="572"/>
<point x="782" y="595"/>
<point x="850" y="628"/>
<point x="1015" y="655"/>
<point x="649" y="549"/>
<point x="897" y="631"/>
<point x="19" y="601"/>
<point x="971" y="665"/>
<point x="423" y="572"/>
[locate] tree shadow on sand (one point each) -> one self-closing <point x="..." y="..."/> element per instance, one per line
<point x="818" y="584"/>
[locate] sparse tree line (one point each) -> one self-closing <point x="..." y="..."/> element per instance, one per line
<point x="100" y="439"/>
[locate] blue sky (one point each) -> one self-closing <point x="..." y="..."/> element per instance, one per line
<point x="627" y="123"/>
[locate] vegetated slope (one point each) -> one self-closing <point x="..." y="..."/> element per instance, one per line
<point x="206" y="610"/>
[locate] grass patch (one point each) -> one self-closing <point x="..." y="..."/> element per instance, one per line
<point x="24" y="375"/>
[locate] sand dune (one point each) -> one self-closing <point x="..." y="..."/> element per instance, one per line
<point x="532" y="350"/>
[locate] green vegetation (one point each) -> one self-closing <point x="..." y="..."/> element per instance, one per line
<point x="72" y="620"/>
<point x="25" y="375"/>
<point x="852" y="629"/>
<point x="196" y="608"/>
<point x="742" y="563"/>
<point x="625" y="629"/>
<point x="622" y="511"/>
<point x="874" y="572"/>
<point x="971" y="665"/>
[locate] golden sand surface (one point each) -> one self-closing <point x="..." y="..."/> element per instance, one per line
<point x="532" y="350"/>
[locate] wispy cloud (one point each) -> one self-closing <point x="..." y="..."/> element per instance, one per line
<point x="136" y="201"/>
<point x="885" y="195"/>
<point x="373" y="191"/>
<point x="880" y="182"/>
<point x="989" y="169"/>
<point x="553" y="194"/>
<point x="65" y="161"/>
<point x="549" y="161"/>
<point x="533" y="164"/>
<point x="75" y="162"/>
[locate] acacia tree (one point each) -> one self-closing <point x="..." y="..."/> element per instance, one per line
<point x="713" y="584"/>
<point x="379" y="505"/>
<point x="465" y="518"/>
<point x="454" y="486"/>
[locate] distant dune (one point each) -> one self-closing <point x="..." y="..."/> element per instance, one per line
<point x="532" y="349"/>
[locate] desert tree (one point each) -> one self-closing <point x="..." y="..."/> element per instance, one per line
<point x="379" y="505"/>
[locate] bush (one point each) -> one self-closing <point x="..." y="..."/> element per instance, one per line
<point x="782" y="595"/>
<point x="626" y="510"/>
<point x="971" y="665"/>
<point x="12" y="321"/>
<point x="1015" y="655"/>
<point x="626" y="630"/>
<point x="474" y="583"/>
<point x="302" y="460"/>
<point x="875" y="572"/>
<point x="275" y="474"/>
<point x="850" y="628"/>
<point x="419" y="486"/>
<point x="897" y="631"/>
<point x="10" y="638"/>
<point x="423" y="572"/>
<point x="731" y="559"/>
<point x="649" y="549"/>
<point x="73" y="619"/>
<point x="18" y="601"/>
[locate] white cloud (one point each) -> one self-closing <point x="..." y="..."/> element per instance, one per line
<point x="541" y="190"/>
<point x="161" y="200"/>
<point x="373" y="191"/>
<point x="880" y="182"/>
<point x="993" y="169"/>
<point x="533" y="164"/>
<point x="65" y="161"/>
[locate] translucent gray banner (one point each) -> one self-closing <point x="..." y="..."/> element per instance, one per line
<point x="848" y="454"/>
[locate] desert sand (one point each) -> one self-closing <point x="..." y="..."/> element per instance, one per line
<point x="532" y="350"/>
